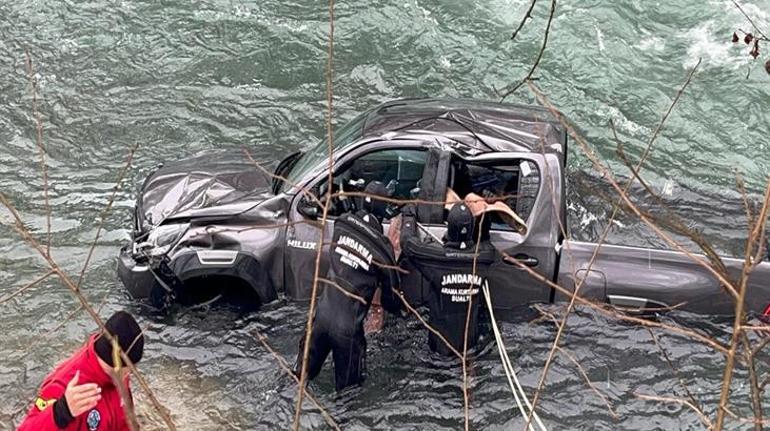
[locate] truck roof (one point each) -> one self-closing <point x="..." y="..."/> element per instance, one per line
<point x="485" y="126"/>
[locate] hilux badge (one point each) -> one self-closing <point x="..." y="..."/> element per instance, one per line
<point x="307" y="245"/>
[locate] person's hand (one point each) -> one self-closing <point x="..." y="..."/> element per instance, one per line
<point x="374" y="319"/>
<point x="81" y="398"/>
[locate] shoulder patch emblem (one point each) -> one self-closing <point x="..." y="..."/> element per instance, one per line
<point x="42" y="404"/>
<point x="93" y="420"/>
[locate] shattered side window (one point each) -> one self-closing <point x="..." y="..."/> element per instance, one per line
<point x="515" y="183"/>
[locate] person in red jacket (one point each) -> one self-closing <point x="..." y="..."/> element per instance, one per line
<point x="79" y="394"/>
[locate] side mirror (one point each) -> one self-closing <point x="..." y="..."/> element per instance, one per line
<point x="308" y="208"/>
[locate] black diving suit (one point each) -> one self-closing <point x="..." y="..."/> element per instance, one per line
<point x="357" y="252"/>
<point x="456" y="272"/>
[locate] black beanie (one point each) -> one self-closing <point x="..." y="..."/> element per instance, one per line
<point x="371" y="204"/>
<point x="461" y="225"/>
<point x="130" y="338"/>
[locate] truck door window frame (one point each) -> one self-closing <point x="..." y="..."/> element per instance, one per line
<point x="500" y="167"/>
<point x="346" y="160"/>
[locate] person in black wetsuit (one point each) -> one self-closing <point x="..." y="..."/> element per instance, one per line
<point x="358" y="247"/>
<point x="456" y="271"/>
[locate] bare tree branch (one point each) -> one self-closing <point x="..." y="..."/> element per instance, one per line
<point x="342" y="290"/>
<point x="105" y="211"/>
<point x="527" y="16"/>
<point x="40" y="146"/>
<point x="26" y="287"/>
<point x="590" y="384"/>
<point x="662" y="351"/>
<point x="616" y="314"/>
<point x="706" y="421"/>
<point x="756" y="392"/>
<point x="539" y="54"/>
<point x="27" y="236"/>
<point x="596" y="250"/>
<point x="287" y="369"/>
<point x="754" y="235"/>
<point x="316" y="271"/>
<point x="593" y="158"/>
<point x="749" y="19"/>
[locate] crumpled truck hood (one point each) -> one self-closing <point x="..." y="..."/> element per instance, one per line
<point x="210" y="185"/>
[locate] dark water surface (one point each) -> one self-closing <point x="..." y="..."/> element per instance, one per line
<point x="184" y="77"/>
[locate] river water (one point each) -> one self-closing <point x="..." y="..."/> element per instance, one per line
<point x="185" y="77"/>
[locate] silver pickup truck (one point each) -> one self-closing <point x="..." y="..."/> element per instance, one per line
<point x="217" y="223"/>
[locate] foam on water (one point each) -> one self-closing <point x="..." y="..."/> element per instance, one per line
<point x="184" y="78"/>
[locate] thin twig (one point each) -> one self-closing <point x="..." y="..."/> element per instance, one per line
<point x="749" y="19"/>
<point x="40" y="147"/>
<point x="527" y="16"/>
<point x="427" y="325"/>
<point x="125" y="396"/>
<point x="466" y="398"/>
<point x="593" y="158"/>
<point x="706" y="421"/>
<point x="595" y="253"/>
<point x="676" y="373"/>
<point x="759" y="347"/>
<point x="105" y="211"/>
<point x="67" y="281"/>
<point x="756" y="392"/>
<point x="539" y="54"/>
<point x="26" y="287"/>
<point x="287" y="369"/>
<point x="754" y="234"/>
<point x="316" y="270"/>
<point x="272" y="175"/>
<point x="759" y="230"/>
<point x="342" y="290"/>
<point x="671" y="220"/>
<point x="32" y="346"/>
<point x="615" y="314"/>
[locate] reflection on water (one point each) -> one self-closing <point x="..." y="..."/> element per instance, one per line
<point x="183" y="78"/>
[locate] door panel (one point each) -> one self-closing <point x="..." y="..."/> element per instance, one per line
<point x="299" y="263"/>
<point x="649" y="277"/>
<point x="400" y="168"/>
<point x="519" y="177"/>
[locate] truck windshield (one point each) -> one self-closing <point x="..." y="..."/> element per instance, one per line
<point x="343" y="137"/>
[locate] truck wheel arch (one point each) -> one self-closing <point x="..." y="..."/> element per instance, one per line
<point x="245" y="267"/>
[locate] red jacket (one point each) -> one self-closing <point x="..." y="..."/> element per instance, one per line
<point x="108" y="414"/>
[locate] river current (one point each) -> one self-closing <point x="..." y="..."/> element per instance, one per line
<point x="180" y="78"/>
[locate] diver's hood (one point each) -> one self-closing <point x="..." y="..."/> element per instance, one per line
<point x="211" y="185"/>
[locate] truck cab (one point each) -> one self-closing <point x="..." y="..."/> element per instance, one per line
<point x="226" y="218"/>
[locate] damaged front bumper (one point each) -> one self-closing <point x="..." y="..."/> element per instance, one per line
<point x="137" y="277"/>
<point x="160" y="279"/>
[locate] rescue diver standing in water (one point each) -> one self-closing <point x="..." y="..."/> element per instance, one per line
<point x="456" y="272"/>
<point x="358" y="251"/>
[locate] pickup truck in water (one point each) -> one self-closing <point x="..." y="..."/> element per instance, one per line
<point x="218" y="224"/>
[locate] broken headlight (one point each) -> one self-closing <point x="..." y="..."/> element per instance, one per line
<point x="162" y="239"/>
